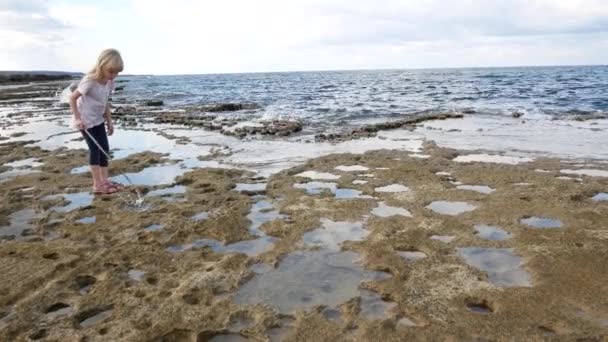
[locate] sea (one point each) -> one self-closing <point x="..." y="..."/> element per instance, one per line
<point x="523" y="112"/>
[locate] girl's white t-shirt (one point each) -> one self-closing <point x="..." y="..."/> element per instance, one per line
<point x="94" y="100"/>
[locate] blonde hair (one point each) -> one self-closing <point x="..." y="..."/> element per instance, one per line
<point x="109" y="58"/>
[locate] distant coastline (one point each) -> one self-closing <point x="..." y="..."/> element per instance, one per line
<point x="8" y="77"/>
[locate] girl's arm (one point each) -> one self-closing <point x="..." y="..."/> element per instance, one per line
<point x="74" y="108"/>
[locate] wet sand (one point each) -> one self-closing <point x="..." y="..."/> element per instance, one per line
<point x="385" y="245"/>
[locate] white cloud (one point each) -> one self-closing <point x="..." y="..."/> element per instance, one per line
<point x="188" y="36"/>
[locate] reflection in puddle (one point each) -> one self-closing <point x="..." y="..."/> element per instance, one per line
<point x="240" y="323"/>
<point x="19" y="222"/>
<point x="95" y="318"/>
<point x="25" y="163"/>
<point x="486" y="158"/>
<point x="393" y="188"/>
<point x="351" y="168"/>
<point x="501" y="264"/>
<point x="350" y="194"/>
<point x="373" y="307"/>
<point x="20" y="168"/>
<point x="154" y="227"/>
<point x="57" y="310"/>
<point x="136" y="275"/>
<point x="586" y="172"/>
<point x="541" y="222"/>
<point x="443" y="238"/>
<point x="406" y="322"/>
<point x="255" y="187"/>
<point x="174" y="190"/>
<point x="307" y="279"/>
<point x="491" y="232"/>
<point x="80" y="169"/>
<point x="200" y="216"/>
<point x="10" y="174"/>
<point x="384" y="210"/>
<point x="318" y="175"/>
<point x="334" y="233"/>
<point x="450" y="208"/>
<point x="600" y="197"/>
<point x="315" y="188"/>
<point x="86" y="220"/>
<point x="154" y="175"/>
<point x="332" y="314"/>
<point x="477" y="188"/>
<point x="411" y="255"/>
<point x="77" y="200"/>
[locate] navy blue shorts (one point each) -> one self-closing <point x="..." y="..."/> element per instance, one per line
<point x="96" y="156"/>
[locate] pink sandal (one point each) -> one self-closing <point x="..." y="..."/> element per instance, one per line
<point x="105" y="189"/>
<point x="117" y="185"/>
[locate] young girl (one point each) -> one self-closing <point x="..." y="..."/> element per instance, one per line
<point x="91" y="109"/>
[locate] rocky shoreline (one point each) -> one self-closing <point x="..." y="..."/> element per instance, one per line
<point x="118" y="279"/>
<point x="385" y="245"/>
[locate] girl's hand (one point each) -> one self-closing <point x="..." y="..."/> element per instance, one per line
<point x="78" y="124"/>
<point x="110" y="128"/>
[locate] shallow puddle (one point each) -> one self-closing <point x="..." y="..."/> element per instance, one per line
<point x="443" y="238"/>
<point x="332" y="234"/>
<point x="542" y="222"/>
<point x="384" y="210"/>
<point x="87" y="220"/>
<point x="318" y="175"/>
<point x="200" y="216"/>
<point x="586" y="172"/>
<point x="59" y="309"/>
<point x="19" y="222"/>
<point x="154" y="227"/>
<point x="600" y="197"/>
<point x="406" y="322"/>
<point x="315" y="188"/>
<point x="350" y="194"/>
<point x="25" y="163"/>
<point x="486" y="158"/>
<point x="411" y="255"/>
<point x="501" y="264"/>
<point x="352" y="168"/>
<point x="261" y="212"/>
<point x="10" y="174"/>
<point x="477" y="188"/>
<point x="491" y="232"/>
<point x="332" y="314"/>
<point x="450" y="208"/>
<point x="136" y="275"/>
<point x="254" y="187"/>
<point x="93" y="317"/>
<point x="373" y="307"/>
<point x="303" y="280"/>
<point x="393" y="188"/>
<point x="174" y="190"/>
<point x="76" y="200"/>
<point x="151" y="176"/>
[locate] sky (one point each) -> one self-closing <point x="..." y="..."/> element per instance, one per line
<point x="231" y="36"/>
